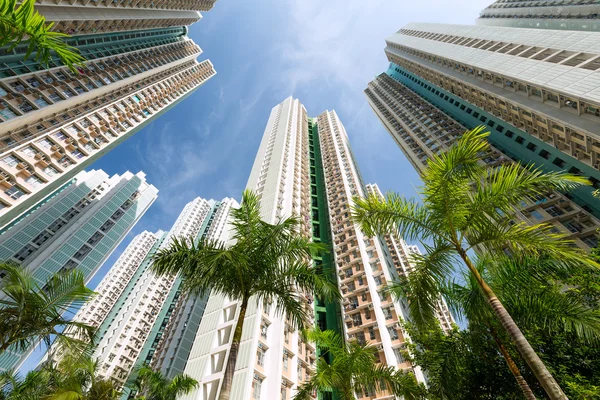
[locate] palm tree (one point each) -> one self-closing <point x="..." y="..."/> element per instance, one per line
<point x="152" y="385"/>
<point x="76" y="377"/>
<point x="30" y="313"/>
<point x="350" y="367"/>
<point x="266" y="263"/>
<point x="33" y="387"/>
<point x="467" y="206"/>
<point x="524" y="286"/>
<point x="20" y="23"/>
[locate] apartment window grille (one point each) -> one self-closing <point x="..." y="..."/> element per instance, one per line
<point x="393" y="333"/>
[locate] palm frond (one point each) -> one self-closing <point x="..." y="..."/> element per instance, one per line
<point x="22" y="23"/>
<point x="378" y="216"/>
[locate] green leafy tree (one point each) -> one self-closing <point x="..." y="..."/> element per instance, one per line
<point x="462" y="364"/>
<point x="33" y="387"/>
<point x="266" y="263"/>
<point x="30" y="313"/>
<point x="152" y="385"/>
<point x="350" y="367"/>
<point x="467" y="206"/>
<point x="19" y="23"/>
<point x="524" y="285"/>
<point x="75" y="377"/>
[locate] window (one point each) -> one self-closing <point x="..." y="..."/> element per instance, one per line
<point x="283" y="393"/>
<point x="14" y="192"/>
<point x="286" y="361"/>
<point x="535" y="214"/>
<point x="45" y="143"/>
<point x="531" y="147"/>
<point x="69" y="265"/>
<point x="399" y="357"/>
<point x="77" y="154"/>
<point x="56" y="225"/>
<point x="50" y="171"/>
<point x="559" y="162"/>
<point x="11" y="160"/>
<point x="554" y="211"/>
<point x="388" y="313"/>
<point x="393" y="333"/>
<point x="25" y="252"/>
<point x="82" y="252"/>
<point x="107" y="226"/>
<point x="591" y="240"/>
<point x="260" y="357"/>
<point x="573" y="226"/>
<point x="545" y="154"/>
<point x="96" y="237"/>
<point x="256" y="386"/>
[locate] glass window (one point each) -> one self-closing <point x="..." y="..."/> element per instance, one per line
<point x="5" y="111"/>
<point x="50" y="171"/>
<point x="256" y="387"/>
<point x="29" y="151"/>
<point x="14" y="192"/>
<point x="77" y="154"/>
<point x="34" y="181"/>
<point x="535" y="214"/>
<point x="11" y="160"/>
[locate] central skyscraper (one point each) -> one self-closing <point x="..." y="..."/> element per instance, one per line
<point x="305" y="166"/>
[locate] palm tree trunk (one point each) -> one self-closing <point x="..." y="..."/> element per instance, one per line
<point x="235" y="345"/>
<point x="540" y="371"/>
<point x="527" y="392"/>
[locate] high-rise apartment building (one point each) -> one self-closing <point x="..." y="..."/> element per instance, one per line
<point x="402" y="254"/>
<point x="411" y="114"/>
<point x="534" y="89"/>
<point x="134" y="306"/>
<point x="76" y="227"/>
<point x="84" y="17"/>
<point x="571" y="15"/>
<point x="54" y="123"/>
<point x="171" y="352"/>
<point x="305" y="167"/>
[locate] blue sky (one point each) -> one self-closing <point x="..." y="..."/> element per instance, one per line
<point x="322" y="52"/>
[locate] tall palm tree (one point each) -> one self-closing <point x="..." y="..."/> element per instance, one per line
<point x="152" y="385"/>
<point x="266" y="263"/>
<point x="350" y="367"/>
<point x="525" y="287"/>
<point x="20" y="22"/>
<point x="466" y="206"/>
<point x="30" y="313"/>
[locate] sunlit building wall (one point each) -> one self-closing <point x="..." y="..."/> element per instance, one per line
<point x="76" y="227"/>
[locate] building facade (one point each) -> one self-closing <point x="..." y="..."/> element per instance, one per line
<point x="411" y="112"/>
<point x="171" y="353"/>
<point x="76" y="227"/>
<point x="134" y="307"/>
<point x="402" y="254"/>
<point x="85" y="17"/>
<point x="304" y="166"/>
<point x="571" y="15"/>
<point x="534" y="89"/>
<point x="54" y="122"/>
